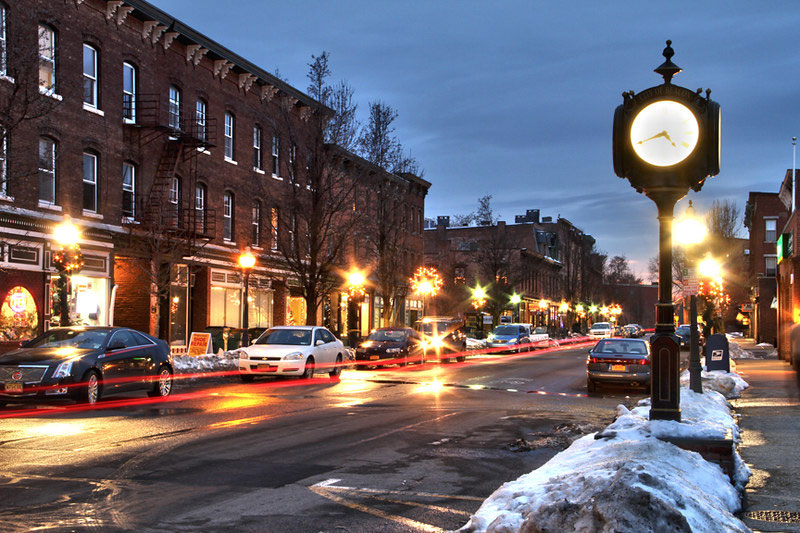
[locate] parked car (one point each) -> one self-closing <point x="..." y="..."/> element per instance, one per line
<point x="634" y="330"/>
<point x="292" y="351"/>
<point x="441" y="336"/>
<point x="684" y="333"/>
<point x="618" y="362"/>
<point x="389" y="346"/>
<point x="601" y="330"/>
<point x="85" y="364"/>
<point x="510" y="338"/>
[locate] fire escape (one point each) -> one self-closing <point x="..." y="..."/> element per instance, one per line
<point x="169" y="206"/>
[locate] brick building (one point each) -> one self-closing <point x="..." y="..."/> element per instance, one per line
<point x="170" y="152"/>
<point x="765" y="217"/>
<point x="788" y="264"/>
<point x="545" y="262"/>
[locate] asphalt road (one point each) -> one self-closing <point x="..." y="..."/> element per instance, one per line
<point x="397" y="449"/>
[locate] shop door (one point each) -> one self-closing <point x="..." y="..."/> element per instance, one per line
<point x="178" y="306"/>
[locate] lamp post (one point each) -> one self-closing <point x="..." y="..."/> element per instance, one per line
<point x="478" y="301"/>
<point x="515" y="301"/>
<point x="691" y="231"/>
<point x="666" y="140"/>
<point x="247" y="261"/>
<point x="67" y="259"/>
<point x="354" y="283"/>
<point x="426" y="282"/>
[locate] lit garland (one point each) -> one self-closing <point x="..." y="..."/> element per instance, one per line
<point x="477" y="304"/>
<point x="69" y="260"/>
<point x="426" y="281"/>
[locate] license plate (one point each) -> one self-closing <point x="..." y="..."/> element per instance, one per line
<point x="373" y="357"/>
<point x="266" y="368"/>
<point x="13" y="387"/>
<point x="619" y="368"/>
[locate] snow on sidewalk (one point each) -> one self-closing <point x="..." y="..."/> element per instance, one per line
<point x="625" y="479"/>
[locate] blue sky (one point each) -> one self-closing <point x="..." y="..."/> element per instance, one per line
<point x="516" y="98"/>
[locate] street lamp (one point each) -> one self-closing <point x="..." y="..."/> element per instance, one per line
<point x="355" y="280"/>
<point x="67" y="260"/>
<point x="247" y="261"/>
<point x="666" y="141"/>
<point x="426" y="282"/>
<point x="689" y="231"/>
<point x="515" y="301"/>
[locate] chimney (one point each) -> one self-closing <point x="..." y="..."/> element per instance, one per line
<point x="547" y="220"/>
<point x="532" y="215"/>
<point x="443" y="222"/>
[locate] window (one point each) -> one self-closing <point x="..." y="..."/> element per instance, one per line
<point x="174" y="201"/>
<point x="200" y="207"/>
<point x="292" y="157"/>
<point x="229" y="136"/>
<point x="47" y="58"/>
<point x="227" y="217"/>
<point x="770" y="230"/>
<point x="3" y="156"/>
<point x="128" y="191"/>
<point x="257" y="156"/>
<point x="90" y="76"/>
<point x="201" y="110"/>
<point x="257" y="224"/>
<point x="276" y="142"/>
<point x="3" y="47"/>
<point x="128" y="93"/>
<point x="174" y="108"/>
<point x="273" y="222"/>
<point x="770" y="266"/>
<point x="292" y="230"/>
<point x="47" y="170"/>
<point x="89" y="182"/>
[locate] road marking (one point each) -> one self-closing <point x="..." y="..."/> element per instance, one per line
<point x="328" y="484"/>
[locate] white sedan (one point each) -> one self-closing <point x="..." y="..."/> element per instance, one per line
<point x="292" y="351"/>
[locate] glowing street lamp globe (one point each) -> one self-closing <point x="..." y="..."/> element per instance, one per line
<point x="66" y="234"/>
<point x="515" y="299"/>
<point x="247" y="260"/>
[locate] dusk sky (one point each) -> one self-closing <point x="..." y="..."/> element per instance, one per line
<point x="516" y="98"/>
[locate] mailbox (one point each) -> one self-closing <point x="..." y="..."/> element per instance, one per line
<point x="718" y="353"/>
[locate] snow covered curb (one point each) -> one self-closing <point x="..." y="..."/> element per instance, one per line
<point x="624" y="478"/>
<point x="220" y="362"/>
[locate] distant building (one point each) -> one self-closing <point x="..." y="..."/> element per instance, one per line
<point x="788" y="282"/>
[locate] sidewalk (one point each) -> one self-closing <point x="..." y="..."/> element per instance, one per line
<point x="770" y="429"/>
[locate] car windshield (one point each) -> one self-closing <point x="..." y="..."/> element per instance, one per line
<point x="434" y="328"/>
<point x="90" y="339"/>
<point x="540" y="331"/>
<point x="506" y="330"/>
<point x="601" y="325"/>
<point x="619" y="346"/>
<point x="291" y="337"/>
<point x="683" y="330"/>
<point x="395" y="335"/>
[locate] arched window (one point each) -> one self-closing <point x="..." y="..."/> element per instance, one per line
<point x="174" y="108"/>
<point x="90" y="76"/>
<point x="174" y="202"/>
<point x="256" y="224"/>
<point x="47" y="170"/>
<point x="47" y="58"/>
<point x="90" y="181"/>
<point x="227" y="216"/>
<point x="129" y="93"/>
<point x="200" y="208"/>
<point x="200" y="119"/>
<point x="128" y="191"/>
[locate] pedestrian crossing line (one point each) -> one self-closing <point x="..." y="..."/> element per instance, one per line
<point x="327" y="492"/>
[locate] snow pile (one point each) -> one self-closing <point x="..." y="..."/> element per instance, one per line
<point x="626" y="479"/>
<point x="737" y="352"/>
<point x="729" y="384"/>
<point x="190" y="364"/>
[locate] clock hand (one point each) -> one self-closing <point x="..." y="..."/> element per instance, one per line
<point x="666" y="136"/>
<point x="656" y="136"/>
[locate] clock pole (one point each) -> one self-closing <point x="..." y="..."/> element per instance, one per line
<point x="664" y="171"/>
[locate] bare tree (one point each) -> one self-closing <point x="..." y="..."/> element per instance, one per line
<point x="618" y="272"/>
<point x="498" y="263"/>
<point x="724" y="219"/>
<point x="377" y="143"/>
<point x="342" y="128"/>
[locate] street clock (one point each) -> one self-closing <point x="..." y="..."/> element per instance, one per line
<point x="667" y="136"/>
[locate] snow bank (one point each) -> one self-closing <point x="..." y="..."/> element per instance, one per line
<point x="626" y="479"/>
<point x="729" y="384"/>
<point x="475" y="344"/>
<point x="189" y="364"/>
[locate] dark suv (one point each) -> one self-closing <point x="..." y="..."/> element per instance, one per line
<point x="442" y="335"/>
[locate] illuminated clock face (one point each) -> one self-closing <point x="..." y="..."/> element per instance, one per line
<point x="664" y="133"/>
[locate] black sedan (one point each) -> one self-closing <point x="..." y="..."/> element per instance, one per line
<point x="618" y="362"/>
<point x="85" y="363"/>
<point x="389" y="346"/>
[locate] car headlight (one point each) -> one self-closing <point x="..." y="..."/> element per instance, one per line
<point x="490" y="337"/>
<point x="244" y="355"/>
<point x="294" y="356"/>
<point x="393" y="350"/>
<point x="63" y="370"/>
<point x="513" y="341"/>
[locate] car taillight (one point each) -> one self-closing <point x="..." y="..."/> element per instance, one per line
<point x="593" y="360"/>
<point x="643" y="362"/>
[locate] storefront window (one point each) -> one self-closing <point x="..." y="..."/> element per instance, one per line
<point x="19" y="318"/>
<point x="260" y="308"/>
<point x="178" y="296"/>
<point x="296" y="311"/>
<point x="87" y="300"/>
<point x="225" y="307"/>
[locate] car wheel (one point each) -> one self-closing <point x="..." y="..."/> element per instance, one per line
<point x="591" y="386"/>
<point x="90" y="390"/>
<point x="308" y="372"/>
<point x="247" y="378"/>
<point x="163" y="387"/>
<point x="336" y="371"/>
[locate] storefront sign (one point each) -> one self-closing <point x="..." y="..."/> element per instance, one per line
<point x="18" y="299"/>
<point x="199" y="344"/>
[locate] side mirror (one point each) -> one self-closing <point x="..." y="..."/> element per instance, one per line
<point x="115" y="346"/>
<point x="319" y="342"/>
